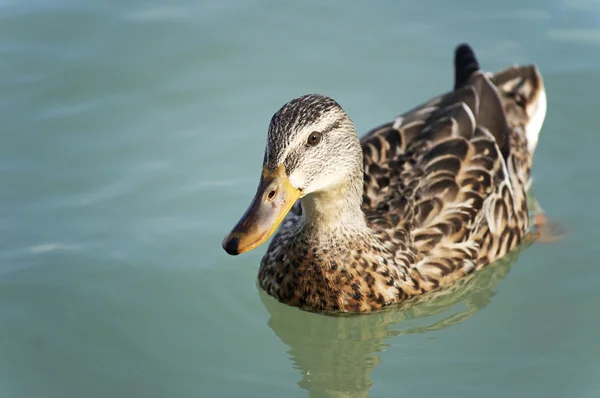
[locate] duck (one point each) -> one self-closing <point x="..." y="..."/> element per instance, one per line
<point x="416" y="204"/>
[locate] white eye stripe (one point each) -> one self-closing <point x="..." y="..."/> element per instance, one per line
<point x="299" y="136"/>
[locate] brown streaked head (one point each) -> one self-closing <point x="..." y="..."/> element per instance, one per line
<point x="312" y="145"/>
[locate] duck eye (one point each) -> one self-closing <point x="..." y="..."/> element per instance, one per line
<point x="314" y="138"/>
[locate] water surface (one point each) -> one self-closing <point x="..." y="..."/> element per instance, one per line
<point x="132" y="139"/>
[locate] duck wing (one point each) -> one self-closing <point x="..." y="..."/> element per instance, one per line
<point x="442" y="178"/>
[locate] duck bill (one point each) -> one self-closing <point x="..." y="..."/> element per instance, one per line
<point x="273" y="200"/>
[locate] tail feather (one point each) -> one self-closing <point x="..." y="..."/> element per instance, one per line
<point x="522" y="90"/>
<point x="490" y="112"/>
<point x="465" y="65"/>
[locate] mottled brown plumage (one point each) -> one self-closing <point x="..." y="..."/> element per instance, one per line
<point x="443" y="193"/>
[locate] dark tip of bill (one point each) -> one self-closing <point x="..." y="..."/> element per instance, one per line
<point x="231" y="246"/>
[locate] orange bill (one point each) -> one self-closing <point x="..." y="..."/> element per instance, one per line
<point x="272" y="202"/>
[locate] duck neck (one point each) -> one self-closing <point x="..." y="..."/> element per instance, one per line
<point x="336" y="210"/>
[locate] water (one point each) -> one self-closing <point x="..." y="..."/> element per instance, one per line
<point x="131" y="141"/>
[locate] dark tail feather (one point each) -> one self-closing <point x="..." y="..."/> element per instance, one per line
<point x="465" y="64"/>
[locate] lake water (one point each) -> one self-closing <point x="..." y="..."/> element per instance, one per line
<point x="132" y="136"/>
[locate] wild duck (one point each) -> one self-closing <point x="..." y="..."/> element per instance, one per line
<point x="419" y="202"/>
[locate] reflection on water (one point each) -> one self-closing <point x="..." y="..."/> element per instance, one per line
<point x="336" y="354"/>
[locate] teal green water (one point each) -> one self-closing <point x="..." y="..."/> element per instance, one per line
<point x="131" y="141"/>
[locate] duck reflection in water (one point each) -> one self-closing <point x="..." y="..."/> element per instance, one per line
<point x="336" y="354"/>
